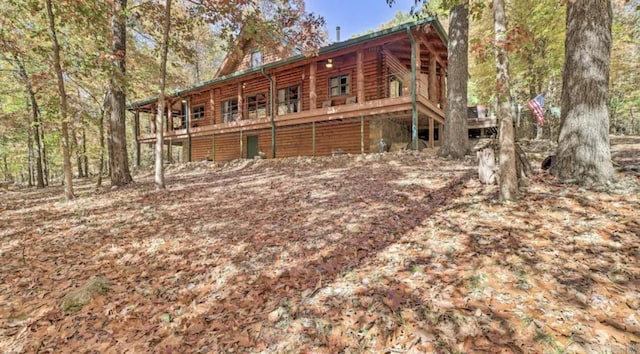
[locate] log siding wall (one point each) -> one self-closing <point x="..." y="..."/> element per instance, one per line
<point x="295" y="140"/>
<point x="291" y="141"/>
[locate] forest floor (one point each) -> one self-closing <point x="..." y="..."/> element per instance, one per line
<point x="394" y="253"/>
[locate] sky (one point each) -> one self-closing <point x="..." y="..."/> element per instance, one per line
<point x="355" y="16"/>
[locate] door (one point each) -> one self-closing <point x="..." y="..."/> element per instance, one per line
<point x="252" y="146"/>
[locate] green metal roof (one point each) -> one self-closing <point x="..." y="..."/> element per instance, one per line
<point x="330" y="48"/>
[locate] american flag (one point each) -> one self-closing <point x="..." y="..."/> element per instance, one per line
<point x="536" y="106"/>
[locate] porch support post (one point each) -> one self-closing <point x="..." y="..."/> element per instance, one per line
<point x="433" y="89"/>
<point x="273" y="88"/>
<point x="313" y="97"/>
<point x="136" y="129"/>
<point x="313" y="137"/>
<point x="272" y="110"/>
<point x="240" y="102"/>
<point x="443" y="89"/>
<point x="241" y="147"/>
<point x="169" y="116"/>
<point x="431" y="133"/>
<point x="415" y="57"/>
<point x="362" y="134"/>
<point x="212" y="104"/>
<point x="169" y="152"/>
<point x="360" y="75"/>
<point x="213" y="147"/>
<point x="188" y="115"/>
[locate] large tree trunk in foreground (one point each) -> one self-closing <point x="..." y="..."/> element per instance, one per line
<point x="159" y="175"/>
<point x="118" y="158"/>
<point x="455" y="139"/>
<point x="508" y="171"/>
<point x="66" y="153"/>
<point x="583" y="154"/>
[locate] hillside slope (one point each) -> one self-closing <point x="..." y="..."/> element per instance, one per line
<point x="397" y="252"/>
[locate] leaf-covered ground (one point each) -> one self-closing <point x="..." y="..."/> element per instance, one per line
<point x="397" y="252"/>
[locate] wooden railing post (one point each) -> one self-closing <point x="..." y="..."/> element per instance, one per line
<point x="360" y="75"/>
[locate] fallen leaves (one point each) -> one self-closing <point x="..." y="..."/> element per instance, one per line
<point x="386" y="253"/>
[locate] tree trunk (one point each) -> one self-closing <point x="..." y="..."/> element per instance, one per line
<point x="508" y="171"/>
<point x="75" y="145"/>
<point x="118" y="158"/>
<point x="5" y="165"/>
<point x="35" y="113"/>
<point x="159" y="175"/>
<point x="45" y="160"/>
<point x="30" y="154"/>
<point x="584" y="154"/>
<point x="523" y="165"/>
<point x="66" y="154"/>
<point x="85" y="158"/>
<point x="455" y="138"/>
<point x="104" y="111"/>
<point x="81" y="149"/>
<point x="101" y="160"/>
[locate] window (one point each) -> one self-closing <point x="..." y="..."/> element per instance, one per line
<point x="198" y="112"/>
<point x="339" y="86"/>
<point x="395" y="87"/>
<point x="257" y="106"/>
<point x="230" y="110"/>
<point x="256" y="59"/>
<point x="289" y="100"/>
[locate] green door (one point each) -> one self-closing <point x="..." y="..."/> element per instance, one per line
<point x="252" y="146"/>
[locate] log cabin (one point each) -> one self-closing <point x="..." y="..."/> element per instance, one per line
<point x="356" y="96"/>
